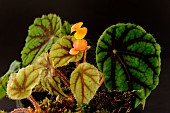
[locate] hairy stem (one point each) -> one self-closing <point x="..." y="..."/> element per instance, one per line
<point x="25" y="110"/>
<point x="63" y="78"/>
<point x="35" y="104"/>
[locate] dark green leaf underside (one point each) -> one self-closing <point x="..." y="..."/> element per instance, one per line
<point x="129" y="59"/>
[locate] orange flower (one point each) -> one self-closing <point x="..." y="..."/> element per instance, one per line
<point x="79" y="44"/>
<point x="73" y="51"/>
<point x="76" y="26"/>
<point x="80" y="32"/>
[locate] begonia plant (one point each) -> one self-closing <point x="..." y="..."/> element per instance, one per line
<point x="127" y="57"/>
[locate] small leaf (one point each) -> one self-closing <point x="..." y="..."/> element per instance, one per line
<point x="60" y="52"/>
<point x="50" y="80"/>
<point x="84" y="82"/>
<point x="15" y="66"/>
<point x="51" y="83"/>
<point x="3" y="82"/>
<point x="20" y="84"/>
<point x="66" y="29"/>
<point x="41" y="35"/>
<point x="129" y="58"/>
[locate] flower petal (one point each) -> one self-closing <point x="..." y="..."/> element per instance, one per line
<point x="80" y="44"/>
<point x="80" y="34"/>
<point x="73" y="51"/>
<point x="76" y="26"/>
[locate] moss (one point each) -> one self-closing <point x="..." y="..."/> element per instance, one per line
<point x="111" y="102"/>
<point x="103" y="102"/>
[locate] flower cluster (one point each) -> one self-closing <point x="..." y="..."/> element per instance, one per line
<point x="79" y="44"/>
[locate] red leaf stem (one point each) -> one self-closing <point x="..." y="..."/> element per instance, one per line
<point x="36" y="106"/>
<point x="21" y="110"/>
<point x="63" y="78"/>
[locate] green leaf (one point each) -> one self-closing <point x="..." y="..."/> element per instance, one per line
<point x="3" y="82"/>
<point x="15" y="66"/>
<point x="84" y="82"/>
<point x="50" y="80"/>
<point x="41" y="35"/>
<point x="60" y="52"/>
<point x="20" y="84"/>
<point x="66" y="29"/>
<point x="129" y="58"/>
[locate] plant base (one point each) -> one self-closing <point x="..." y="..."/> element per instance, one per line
<point x="103" y="102"/>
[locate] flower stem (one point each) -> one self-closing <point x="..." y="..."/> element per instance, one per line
<point x="85" y="54"/>
<point x="102" y="80"/>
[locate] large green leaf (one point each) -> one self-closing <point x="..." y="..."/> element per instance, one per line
<point x="129" y="58"/>
<point x="84" y="82"/>
<point x="49" y="78"/>
<point x="41" y="35"/>
<point x="60" y="52"/>
<point x="15" y="66"/>
<point x="20" y="84"/>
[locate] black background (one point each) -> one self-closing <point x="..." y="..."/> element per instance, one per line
<point x="97" y="15"/>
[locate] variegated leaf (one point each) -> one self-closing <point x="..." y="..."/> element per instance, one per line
<point x="60" y="52"/>
<point x="41" y="35"/>
<point x="20" y="84"/>
<point x="49" y="78"/>
<point x="129" y="58"/>
<point x="84" y="82"/>
<point x="66" y="29"/>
